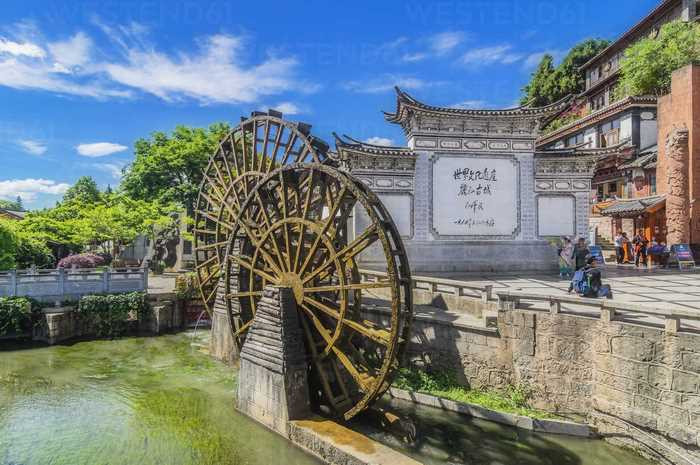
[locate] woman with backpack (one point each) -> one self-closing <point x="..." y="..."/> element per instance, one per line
<point x="588" y="281"/>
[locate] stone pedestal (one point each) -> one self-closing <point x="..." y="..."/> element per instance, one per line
<point x="272" y="387"/>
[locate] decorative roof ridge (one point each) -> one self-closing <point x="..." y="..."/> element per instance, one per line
<point x="403" y="99"/>
<point x="632" y="99"/>
<point x="348" y="142"/>
<point x="580" y="150"/>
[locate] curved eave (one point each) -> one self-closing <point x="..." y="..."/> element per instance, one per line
<point x="406" y="103"/>
<point x="348" y="143"/>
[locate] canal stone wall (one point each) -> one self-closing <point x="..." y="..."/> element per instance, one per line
<point x="632" y="382"/>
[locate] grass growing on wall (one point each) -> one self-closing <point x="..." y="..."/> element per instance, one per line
<point x="445" y="385"/>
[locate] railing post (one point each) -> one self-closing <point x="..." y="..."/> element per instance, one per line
<point x="13" y="282"/>
<point x="554" y="307"/>
<point x="144" y="270"/>
<point x="106" y="275"/>
<point x="61" y="281"/>
<point x="433" y="287"/>
<point x="673" y="324"/>
<point x="457" y="291"/>
<point x="607" y="314"/>
<point x="486" y="293"/>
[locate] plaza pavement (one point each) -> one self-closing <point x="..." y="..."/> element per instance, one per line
<point x="657" y="288"/>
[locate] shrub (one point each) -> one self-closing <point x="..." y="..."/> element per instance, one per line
<point x="109" y="313"/>
<point x="33" y="252"/>
<point x="82" y="260"/>
<point x="8" y="247"/>
<point x="16" y="315"/>
<point x="186" y="286"/>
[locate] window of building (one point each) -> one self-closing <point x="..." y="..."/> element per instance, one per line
<point x="652" y="183"/>
<point x="612" y="190"/>
<point x="598" y="101"/>
<point x="609" y="133"/>
<point x="576" y="139"/>
<point x="601" y="193"/>
<point x="186" y="247"/>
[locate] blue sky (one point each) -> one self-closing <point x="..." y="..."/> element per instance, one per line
<point x="80" y="81"/>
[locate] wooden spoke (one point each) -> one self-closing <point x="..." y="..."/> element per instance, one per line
<point x="364" y="379"/>
<point x="247" y="265"/>
<point x="348" y="287"/>
<point x="216" y="220"/>
<point x="360" y="243"/>
<point x="381" y="336"/>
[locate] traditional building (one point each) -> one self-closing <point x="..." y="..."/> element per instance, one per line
<point x="469" y="192"/>
<point x="11" y="215"/>
<point x="626" y="131"/>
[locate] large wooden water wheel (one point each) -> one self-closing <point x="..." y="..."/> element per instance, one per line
<point x="290" y="232"/>
<point x="254" y="148"/>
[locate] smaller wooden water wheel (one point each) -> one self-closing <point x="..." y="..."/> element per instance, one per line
<point x="250" y="151"/>
<point x="290" y="231"/>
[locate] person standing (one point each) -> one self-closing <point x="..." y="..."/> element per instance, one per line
<point x="581" y="253"/>
<point x="640" y="248"/>
<point x="619" y="248"/>
<point x="566" y="259"/>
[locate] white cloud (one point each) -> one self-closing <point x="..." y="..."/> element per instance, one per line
<point x="445" y="41"/>
<point x="100" y="149"/>
<point x="72" y="52"/>
<point x="113" y="169"/>
<point x="29" y="188"/>
<point x="534" y="59"/>
<point x="413" y="57"/>
<point x="476" y="104"/>
<point x="21" y="49"/>
<point x="40" y="76"/>
<point x="288" y="108"/>
<point x="32" y="147"/>
<point x="499" y="54"/>
<point x="216" y="74"/>
<point x="383" y="141"/>
<point x="387" y="82"/>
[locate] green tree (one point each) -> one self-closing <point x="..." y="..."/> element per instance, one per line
<point x="648" y="64"/>
<point x="538" y="92"/>
<point x="8" y="246"/>
<point x="10" y="205"/>
<point x="84" y="190"/>
<point x="548" y="84"/>
<point x="168" y="168"/>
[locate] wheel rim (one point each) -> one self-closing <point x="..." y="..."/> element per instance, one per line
<point x="248" y="153"/>
<point x="291" y="232"/>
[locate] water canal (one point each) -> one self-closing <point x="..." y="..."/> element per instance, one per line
<point x="158" y="401"/>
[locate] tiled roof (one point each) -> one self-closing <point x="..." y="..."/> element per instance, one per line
<point x="16" y="214"/>
<point x="645" y="160"/>
<point x="347" y="142"/>
<point x="405" y="103"/>
<point x="632" y="207"/>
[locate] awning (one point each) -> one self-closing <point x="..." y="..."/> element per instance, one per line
<point x="629" y="208"/>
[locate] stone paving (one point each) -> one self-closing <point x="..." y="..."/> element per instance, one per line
<point x="658" y="288"/>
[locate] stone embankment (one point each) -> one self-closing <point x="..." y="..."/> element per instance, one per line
<point x="634" y="373"/>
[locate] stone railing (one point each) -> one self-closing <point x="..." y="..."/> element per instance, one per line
<point x="438" y="285"/>
<point x="607" y="310"/>
<point x="64" y="284"/>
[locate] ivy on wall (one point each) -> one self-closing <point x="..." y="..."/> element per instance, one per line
<point x="109" y="314"/>
<point x="17" y="315"/>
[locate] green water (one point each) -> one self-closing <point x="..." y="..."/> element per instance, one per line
<point x="137" y="401"/>
<point x="158" y="401"/>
